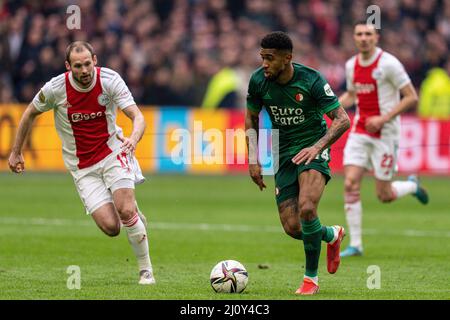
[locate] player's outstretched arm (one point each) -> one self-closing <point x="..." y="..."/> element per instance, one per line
<point x="139" y="125"/>
<point x="15" y="161"/>
<point x="338" y="126"/>
<point x="347" y="99"/>
<point x="251" y="129"/>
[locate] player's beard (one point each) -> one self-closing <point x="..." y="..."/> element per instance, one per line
<point x="366" y="47"/>
<point x="274" y="77"/>
<point x="86" y="80"/>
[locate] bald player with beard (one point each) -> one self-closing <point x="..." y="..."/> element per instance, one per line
<point x="101" y="160"/>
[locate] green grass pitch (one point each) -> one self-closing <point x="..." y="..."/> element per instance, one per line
<point x="196" y="221"/>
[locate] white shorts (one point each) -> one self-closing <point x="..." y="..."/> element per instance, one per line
<point x="97" y="183"/>
<point x="371" y="153"/>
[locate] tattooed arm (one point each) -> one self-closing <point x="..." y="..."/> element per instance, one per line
<point x="339" y="125"/>
<point x="251" y="136"/>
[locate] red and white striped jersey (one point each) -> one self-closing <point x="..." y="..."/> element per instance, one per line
<point x="377" y="83"/>
<point x="85" y="119"/>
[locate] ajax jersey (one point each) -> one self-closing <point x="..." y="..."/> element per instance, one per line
<point x="377" y="83"/>
<point x="85" y="119"/>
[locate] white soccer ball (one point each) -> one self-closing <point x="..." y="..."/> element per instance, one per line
<point x="229" y="276"/>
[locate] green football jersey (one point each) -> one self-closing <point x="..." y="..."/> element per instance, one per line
<point x="296" y="108"/>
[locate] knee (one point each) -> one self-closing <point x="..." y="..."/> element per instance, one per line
<point x="126" y="211"/>
<point x="385" y="196"/>
<point x="307" y="210"/>
<point x="111" y="229"/>
<point x="351" y="185"/>
<point x="294" y="231"/>
<point x="112" y="232"/>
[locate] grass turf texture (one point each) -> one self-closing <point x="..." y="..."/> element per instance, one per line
<point x="196" y="221"/>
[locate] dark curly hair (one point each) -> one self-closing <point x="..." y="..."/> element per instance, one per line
<point x="277" y="40"/>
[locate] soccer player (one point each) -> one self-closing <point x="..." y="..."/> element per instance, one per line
<point x="375" y="81"/>
<point x="101" y="160"/>
<point x="296" y="97"/>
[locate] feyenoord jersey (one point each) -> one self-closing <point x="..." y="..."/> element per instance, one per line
<point x="377" y="83"/>
<point x="296" y="108"/>
<point x="85" y="119"/>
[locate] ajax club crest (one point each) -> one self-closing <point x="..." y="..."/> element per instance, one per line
<point x="103" y="99"/>
<point x="377" y="74"/>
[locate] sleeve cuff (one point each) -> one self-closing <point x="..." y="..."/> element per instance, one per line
<point x="404" y="84"/>
<point x="332" y="106"/>
<point x="128" y="104"/>
<point x="37" y="107"/>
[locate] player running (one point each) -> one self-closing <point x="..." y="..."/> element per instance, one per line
<point x="375" y="80"/>
<point x="296" y="97"/>
<point x="85" y="100"/>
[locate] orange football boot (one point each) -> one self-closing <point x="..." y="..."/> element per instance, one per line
<point x="308" y="288"/>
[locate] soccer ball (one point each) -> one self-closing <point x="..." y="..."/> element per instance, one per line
<point x="229" y="276"/>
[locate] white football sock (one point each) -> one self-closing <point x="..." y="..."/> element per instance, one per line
<point x="137" y="236"/>
<point x="314" y="279"/>
<point x="402" y="188"/>
<point x="353" y="214"/>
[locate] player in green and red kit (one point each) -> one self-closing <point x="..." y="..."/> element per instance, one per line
<point x="296" y="98"/>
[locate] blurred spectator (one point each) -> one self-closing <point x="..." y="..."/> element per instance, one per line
<point x="170" y="50"/>
<point x="435" y="94"/>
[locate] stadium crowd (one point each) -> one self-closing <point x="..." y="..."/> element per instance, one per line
<point x="168" y="50"/>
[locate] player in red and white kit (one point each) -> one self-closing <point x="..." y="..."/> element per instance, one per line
<point x="101" y="160"/>
<point x="375" y="82"/>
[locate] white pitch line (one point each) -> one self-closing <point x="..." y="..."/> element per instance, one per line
<point x="211" y="227"/>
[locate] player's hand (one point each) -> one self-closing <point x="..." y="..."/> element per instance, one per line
<point x="128" y="144"/>
<point x="375" y="123"/>
<point x="306" y="155"/>
<point x="255" y="173"/>
<point x="16" y="163"/>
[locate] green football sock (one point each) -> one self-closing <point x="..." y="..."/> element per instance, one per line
<point x="312" y="240"/>
<point x="327" y="234"/>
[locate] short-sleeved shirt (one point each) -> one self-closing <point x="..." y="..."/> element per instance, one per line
<point x="377" y="83"/>
<point x="85" y="119"/>
<point x="296" y="108"/>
